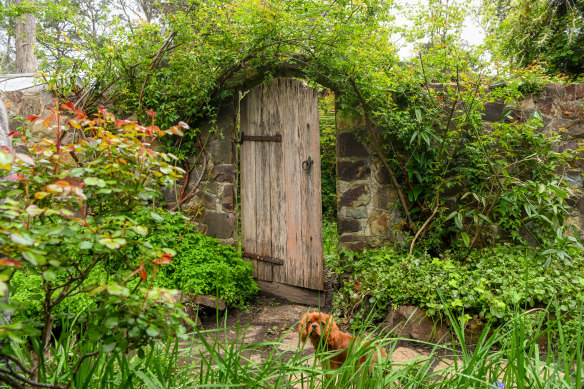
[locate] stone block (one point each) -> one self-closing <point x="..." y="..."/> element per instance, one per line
<point x="209" y="200"/>
<point x="355" y="246"/>
<point x="384" y="197"/>
<point x="357" y="213"/>
<point x="572" y="111"/>
<point x="493" y="112"/>
<point x="574" y="178"/>
<point x="350" y="238"/>
<point x="579" y="91"/>
<point x="227" y="198"/>
<point x="546" y="105"/>
<point x="348" y="146"/>
<point x="223" y="173"/>
<point x="527" y="105"/>
<point x="413" y="322"/>
<point x="555" y="90"/>
<point x="379" y="223"/>
<point x="570" y="90"/>
<point x="357" y="195"/>
<point x="569" y="129"/>
<point x="220" y="225"/>
<point x="348" y="225"/>
<point x="381" y="174"/>
<point x="13" y="96"/>
<point x="220" y="149"/>
<point x="353" y="170"/>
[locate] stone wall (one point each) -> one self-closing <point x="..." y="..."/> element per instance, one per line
<point x="366" y="213"/>
<point x="368" y="206"/>
<point x="214" y="206"/>
<point x="562" y="110"/>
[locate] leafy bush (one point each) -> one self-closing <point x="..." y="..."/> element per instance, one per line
<point x="66" y="215"/>
<point x="202" y="265"/>
<point x="493" y="285"/>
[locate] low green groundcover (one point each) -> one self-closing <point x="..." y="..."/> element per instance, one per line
<point x="493" y="284"/>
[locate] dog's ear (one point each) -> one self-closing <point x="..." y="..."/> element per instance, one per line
<point x="302" y="327"/>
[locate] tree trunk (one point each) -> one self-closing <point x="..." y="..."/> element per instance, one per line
<point x="25" y="38"/>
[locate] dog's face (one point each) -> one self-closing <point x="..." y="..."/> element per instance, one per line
<point x="315" y="324"/>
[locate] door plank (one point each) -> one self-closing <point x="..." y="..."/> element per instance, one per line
<point x="247" y="177"/>
<point x="292" y="153"/>
<point x="263" y="195"/>
<point x="277" y="177"/>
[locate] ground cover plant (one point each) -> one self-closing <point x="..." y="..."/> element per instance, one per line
<point x="495" y="285"/>
<point x="202" y="265"/>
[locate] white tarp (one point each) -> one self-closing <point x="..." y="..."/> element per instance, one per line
<point x="28" y="82"/>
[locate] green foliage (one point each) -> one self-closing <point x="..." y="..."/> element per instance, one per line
<point x="493" y="285"/>
<point x="202" y="265"/>
<point x="328" y="155"/>
<point x="211" y="359"/>
<point x="67" y="214"/>
<point x="525" y="31"/>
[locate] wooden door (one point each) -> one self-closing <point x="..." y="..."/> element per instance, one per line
<point x="281" y="212"/>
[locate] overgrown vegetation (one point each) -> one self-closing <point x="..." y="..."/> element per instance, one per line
<point x="484" y="205"/>
<point x="207" y="359"/>
<point x="202" y="265"/>
<point x="495" y="285"/>
<point x="81" y="243"/>
<point x="524" y="31"/>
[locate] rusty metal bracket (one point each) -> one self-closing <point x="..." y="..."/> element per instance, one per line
<point x="259" y="138"/>
<point x="264" y="258"/>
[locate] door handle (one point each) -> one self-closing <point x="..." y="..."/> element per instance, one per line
<point x="306" y="165"/>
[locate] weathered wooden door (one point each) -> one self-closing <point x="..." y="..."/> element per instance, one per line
<point x="280" y="184"/>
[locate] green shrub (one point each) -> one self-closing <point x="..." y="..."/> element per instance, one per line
<point x="68" y="239"/>
<point x="494" y="284"/>
<point x="202" y="265"/>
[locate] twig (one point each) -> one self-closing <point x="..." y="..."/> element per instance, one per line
<point x="79" y="362"/>
<point x="14" y="378"/>
<point x="426" y="223"/>
<point x="380" y="152"/>
<point x="193" y="191"/>
<point x="19" y="363"/>
<point x="154" y="61"/>
<point x="158" y="54"/>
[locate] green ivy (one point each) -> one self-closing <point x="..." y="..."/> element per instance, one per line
<point x="493" y="284"/>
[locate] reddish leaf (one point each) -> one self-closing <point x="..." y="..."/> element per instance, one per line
<point x="184" y="125"/>
<point x="9" y="262"/>
<point x="75" y="124"/>
<point x="15" y="134"/>
<point x="33" y="118"/>
<point x="165" y="259"/>
<point x="14" y="177"/>
<point x="69" y="106"/>
<point x="121" y="122"/>
<point x="151" y="113"/>
<point x="5" y="148"/>
<point x="143" y="275"/>
<point x="175" y="130"/>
